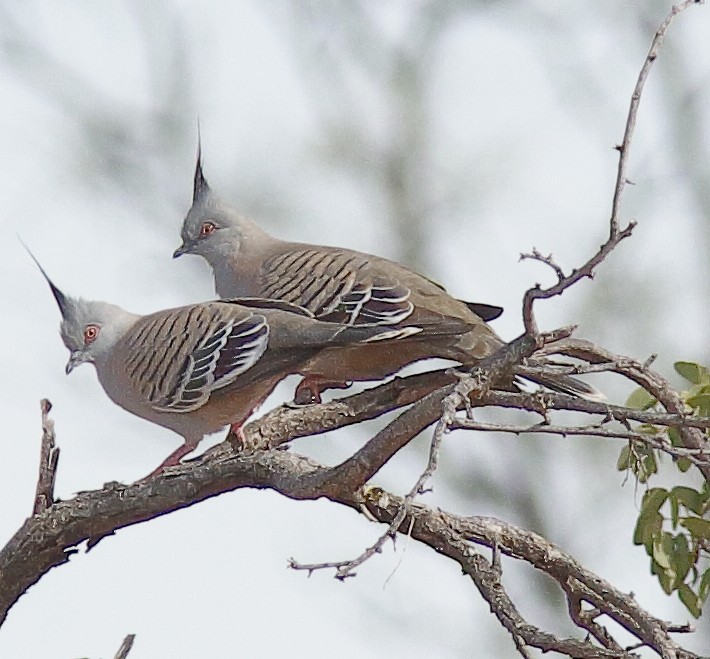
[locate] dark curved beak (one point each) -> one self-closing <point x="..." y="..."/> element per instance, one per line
<point x="183" y="249"/>
<point x="75" y="358"/>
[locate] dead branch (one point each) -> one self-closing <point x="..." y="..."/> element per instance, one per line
<point x="691" y="436"/>
<point x="125" y="647"/>
<point x="48" y="539"/>
<point x="698" y="457"/>
<point x="49" y="457"/>
<point x="286" y="424"/>
<point x="616" y="235"/>
<point x="450" y="404"/>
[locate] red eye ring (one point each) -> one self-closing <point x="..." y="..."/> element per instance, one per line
<point x="207" y="229"/>
<point x="90" y="333"/>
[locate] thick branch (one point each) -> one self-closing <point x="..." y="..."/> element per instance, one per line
<point x="365" y="463"/>
<point x="432" y="527"/>
<point x="286" y="424"/>
<point x="49" y="456"/>
<point x="450" y="404"/>
<point x="48" y="539"/>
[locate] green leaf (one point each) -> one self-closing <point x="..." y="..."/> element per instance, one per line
<point x="648" y="527"/>
<point x="697" y="390"/>
<point x="692" y="372"/>
<point x="674" y="436"/>
<point x="701" y="402"/>
<point x="662" y="548"/>
<point x="690" y="599"/>
<point x="681" y="557"/>
<point x="640" y="459"/>
<point x="653" y="499"/>
<point x="665" y="578"/>
<point x="624" y="461"/>
<point x="640" y="399"/>
<point x="648" y="467"/>
<point x="690" y="498"/>
<point x="684" y="464"/>
<point x="699" y="528"/>
<point x="704" y="588"/>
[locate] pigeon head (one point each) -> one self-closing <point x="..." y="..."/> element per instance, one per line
<point x="88" y="329"/>
<point x="212" y="229"/>
<point x="91" y="329"/>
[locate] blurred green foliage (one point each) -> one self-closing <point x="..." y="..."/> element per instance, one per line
<point x="673" y="525"/>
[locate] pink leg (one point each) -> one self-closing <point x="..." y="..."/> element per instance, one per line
<point x="175" y="457"/>
<point x="310" y="388"/>
<point x="237" y="430"/>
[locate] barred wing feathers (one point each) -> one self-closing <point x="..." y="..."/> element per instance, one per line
<point x="335" y="286"/>
<point x="177" y="359"/>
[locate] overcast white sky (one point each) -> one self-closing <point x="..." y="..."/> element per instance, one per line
<point x="524" y="104"/>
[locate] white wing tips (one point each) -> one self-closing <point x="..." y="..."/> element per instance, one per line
<point x="228" y="348"/>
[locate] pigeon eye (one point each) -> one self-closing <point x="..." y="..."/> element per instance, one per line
<point x="207" y="229"/>
<point x="90" y="333"/>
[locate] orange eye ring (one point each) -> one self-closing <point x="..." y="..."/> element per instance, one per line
<point x="90" y="333"/>
<point x="207" y="229"/>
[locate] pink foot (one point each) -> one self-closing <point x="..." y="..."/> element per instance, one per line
<point x="310" y="388"/>
<point x="237" y="431"/>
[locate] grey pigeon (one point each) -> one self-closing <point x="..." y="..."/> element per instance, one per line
<point x="199" y="368"/>
<point x="344" y="286"/>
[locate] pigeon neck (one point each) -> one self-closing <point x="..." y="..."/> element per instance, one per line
<point x="236" y="272"/>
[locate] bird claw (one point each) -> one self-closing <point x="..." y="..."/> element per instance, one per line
<point x="308" y="391"/>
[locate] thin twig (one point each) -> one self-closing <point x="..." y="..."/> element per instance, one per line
<point x="345" y="569"/>
<point x="547" y="260"/>
<point x="586" y="270"/>
<point x="125" y="647"/>
<point x="48" y="458"/>
<point x="616" y="235"/>
<point x="623" y="148"/>
<point x="698" y="457"/>
<point x="585" y="619"/>
<point x="691" y="436"/>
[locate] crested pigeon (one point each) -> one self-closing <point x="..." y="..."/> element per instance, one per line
<point x="199" y="368"/>
<point x="344" y="286"/>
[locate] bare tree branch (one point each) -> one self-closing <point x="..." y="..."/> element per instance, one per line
<point x="652" y="382"/>
<point x="696" y="456"/>
<point x="586" y="270"/>
<point x="125" y="647"/>
<point x="623" y="148"/>
<point x="616" y="235"/>
<point x="49" y="456"/>
<point x="48" y="539"/>
<point x="450" y="404"/>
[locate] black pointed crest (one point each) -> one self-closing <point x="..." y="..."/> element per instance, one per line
<point x="200" y="186"/>
<point x="58" y="295"/>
